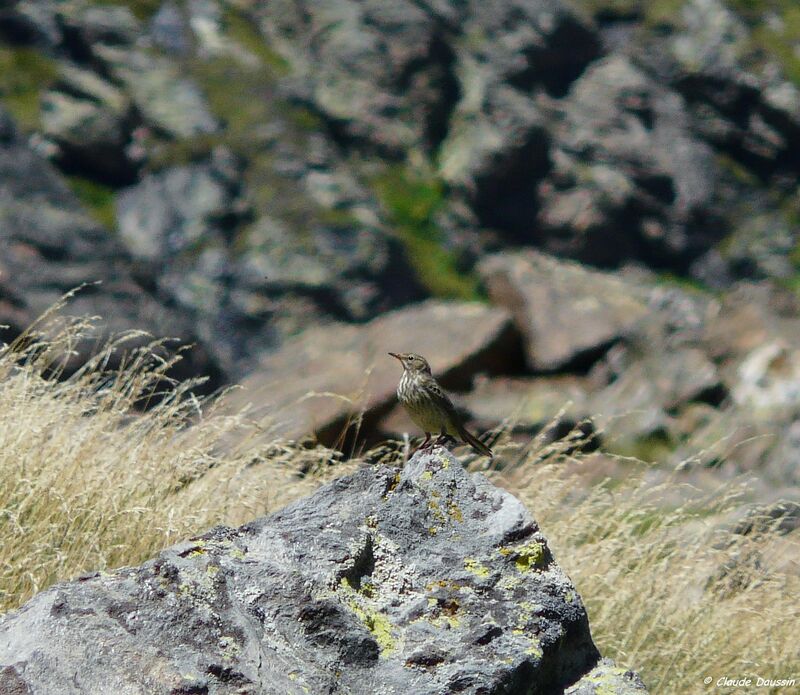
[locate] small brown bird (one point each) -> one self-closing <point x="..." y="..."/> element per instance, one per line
<point x="429" y="406"/>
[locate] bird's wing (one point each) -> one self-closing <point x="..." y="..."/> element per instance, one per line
<point x="441" y="399"/>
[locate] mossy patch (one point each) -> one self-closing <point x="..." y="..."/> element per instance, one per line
<point x="775" y="28"/>
<point x="24" y="74"/>
<point x="660" y="13"/>
<point x="412" y="201"/>
<point x="99" y="199"/>
<point x="530" y="556"/>
<point x="141" y="9"/>
<point x="526" y="556"/>
<point x="243" y="30"/>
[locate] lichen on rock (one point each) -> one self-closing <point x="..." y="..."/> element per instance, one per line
<point x="343" y="591"/>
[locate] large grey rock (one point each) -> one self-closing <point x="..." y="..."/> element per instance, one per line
<point x="629" y="180"/>
<point x="566" y="312"/>
<point x="742" y="100"/>
<point x="172" y="211"/>
<point x="508" y="56"/>
<point x="424" y="580"/>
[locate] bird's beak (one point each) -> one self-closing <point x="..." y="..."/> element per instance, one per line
<point x="396" y="356"/>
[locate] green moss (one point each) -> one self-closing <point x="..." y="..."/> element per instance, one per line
<point x="775" y="26"/>
<point x="412" y="202"/>
<point x="305" y="119"/>
<point x="685" y="283"/>
<point x="24" y="74"/>
<point x="97" y="197"/>
<point x="243" y="30"/>
<point x="659" y="13"/>
<point x="181" y="152"/>
<point x="141" y="9"/>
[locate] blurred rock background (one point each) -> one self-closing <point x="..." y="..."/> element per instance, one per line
<point x="585" y="210"/>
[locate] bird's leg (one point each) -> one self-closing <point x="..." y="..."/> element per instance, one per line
<point x="426" y="443"/>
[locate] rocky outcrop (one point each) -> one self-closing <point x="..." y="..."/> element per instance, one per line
<point x="629" y="179"/>
<point x="51" y="246"/>
<point x="424" y="580"/>
<point x="260" y="169"/>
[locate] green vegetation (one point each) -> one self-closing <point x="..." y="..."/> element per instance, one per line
<point x="775" y="31"/>
<point x="243" y="30"/>
<point x="241" y="93"/>
<point x="141" y="9"/>
<point x="24" y="74"/>
<point x="662" y="12"/>
<point x="97" y="197"/>
<point x="413" y="201"/>
<point x="653" y="13"/>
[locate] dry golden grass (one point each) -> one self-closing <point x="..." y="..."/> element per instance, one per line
<point x="87" y="482"/>
<point x="673" y="593"/>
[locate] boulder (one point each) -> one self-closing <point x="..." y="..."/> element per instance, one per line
<point x="178" y="209"/>
<point x="330" y="375"/>
<point x="167" y="100"/>
<point x="90" y="122"/>
<point x="641" y="399"/>
<point x="629" y="180"/>
<point x="423" y="580"/>
<point x="741" y="95"/>
<point x="528" y="403"/>
<point x="567" y="314"/>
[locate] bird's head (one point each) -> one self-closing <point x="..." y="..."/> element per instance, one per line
<point x="412" y="362"/>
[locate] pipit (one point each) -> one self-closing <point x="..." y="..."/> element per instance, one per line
<point x="429" y="406"/>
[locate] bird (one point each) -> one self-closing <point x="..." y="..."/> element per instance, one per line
<point x="429" y="406"/>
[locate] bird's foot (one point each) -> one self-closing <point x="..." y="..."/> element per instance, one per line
<point x="444" y="439"/>
<point x="427" y="444"/>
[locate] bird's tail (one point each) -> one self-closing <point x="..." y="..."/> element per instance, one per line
<point x="474" y="442"/>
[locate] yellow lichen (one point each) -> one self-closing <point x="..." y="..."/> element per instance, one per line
<point x="526" y="556"/>
<point x="377" y="623"/>
<point x="472" y="565"/>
